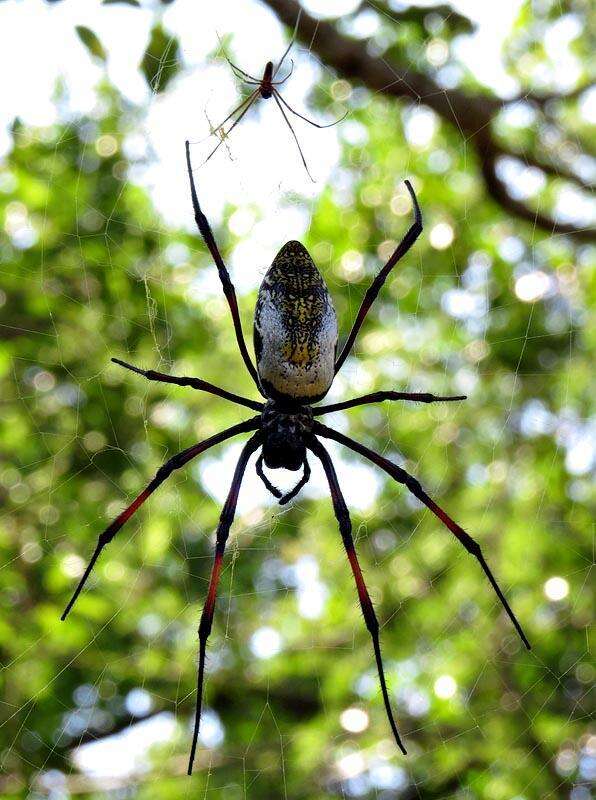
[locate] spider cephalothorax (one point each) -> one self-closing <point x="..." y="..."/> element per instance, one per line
<point x="295" y="344"/>
<point x="285" y="434"/>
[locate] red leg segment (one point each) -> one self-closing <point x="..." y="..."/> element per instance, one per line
<point x="401" y="476"/>
<point x="223" y="530"/>
<point x="368" y="612"/>
<point x="163" y="472"/>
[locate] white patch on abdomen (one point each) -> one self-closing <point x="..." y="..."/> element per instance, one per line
<point x="310" y="380"/>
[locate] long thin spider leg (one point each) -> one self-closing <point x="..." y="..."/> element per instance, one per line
<point x="250" y="99"/>
<point x="163" y="472"/>
<point x="282" y="59"/>
<point x="245" y="75"/>
<point x="373" y="290"/>
<point x="368" y="612"/>
<point x="378" y="397"/>
<point x="194" y="383"/>
<point x="223" y="530"/>
<point x="306" y="119"/>
<point x="289" y="124"/>
<point x="289" y="47"/>
<point x="403" y="477"/>
<point x="231" y="63"/>
<point x="302" y="482"/>
<point x="251" y="83"/>
<point x="268" y="485"/>
<point x="253" y="99"/>
<point x="281" y="82"/>
<point x="226" y="282"/>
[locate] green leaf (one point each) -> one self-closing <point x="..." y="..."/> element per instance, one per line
<point x="161" y="60"/>
<point x="91" y="42"/>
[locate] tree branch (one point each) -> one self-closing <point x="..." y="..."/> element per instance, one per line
<point x="497" y="190"/>
<point x="543" y="99"/>
<point x="472" y="114"/>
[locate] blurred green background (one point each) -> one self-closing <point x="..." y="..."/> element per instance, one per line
<point x="490" y="302"/>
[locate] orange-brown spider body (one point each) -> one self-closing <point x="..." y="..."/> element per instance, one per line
<point x="266" y="87"/>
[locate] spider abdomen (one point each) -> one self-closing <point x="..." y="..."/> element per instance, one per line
<point x="295" y="329"/>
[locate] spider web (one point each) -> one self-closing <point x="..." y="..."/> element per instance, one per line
<point x="293" y="586"/>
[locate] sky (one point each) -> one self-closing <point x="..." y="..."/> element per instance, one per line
<point x="38" y="46"/>
<point x="207" y="89"/>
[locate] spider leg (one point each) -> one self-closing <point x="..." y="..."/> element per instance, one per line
<point x="223" y="530"/>
<point x="279" y="83"/>
<point x="289" y="124"/>
<point x="232" y="65"/>
<point x="373" y="290"/>
<point x="268" y="485"/>
<point x="368" y="612"/>
<point x="194" y="383"/>
<point x="253" y="98"/>
<point x="302" y="482"/>
<point x="250" y="99"/>
<point x="177" y="461"/>
<point x="283" y="498"/>
<point x="378" y="397"/>
<point x="403" y="477"/>
<point x="241" y="73"/>
<point x="306" y="119"/>
<point x="289" y="47"/>
<point x="252" y="83"/>
<point x="224" y="276"/>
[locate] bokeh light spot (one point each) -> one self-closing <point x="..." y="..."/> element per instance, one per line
<point x="265" y="643"/>
<point x="354" y="720"/>
<point x="441" y="235"/>
<point x="556" y="588"/>
<point x="445" y="687"/>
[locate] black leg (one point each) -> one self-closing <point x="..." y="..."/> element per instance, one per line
<point x="302" y="482"/>
<point x="163" y="472"/>
<point x="375" y="287"/>
<point x="194" y="383"/>
<point x="378" y="397"/>
<point x="368" y="612"/>
<point x="228" y="286"/>
<point x="223" y="530"/>
<point x="401" y="476"/>
<point x="283" y="498"/>
<point x="268" y="485"/>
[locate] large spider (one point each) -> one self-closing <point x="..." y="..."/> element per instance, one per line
<point x="295" y="337"/>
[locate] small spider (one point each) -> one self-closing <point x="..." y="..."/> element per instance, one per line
<point x="266" y="88"/>
<point x="295" y="338"/>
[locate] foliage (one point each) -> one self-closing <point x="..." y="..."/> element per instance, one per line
<point x="160" y="61"/>
<point x="88" y="272"/>
<point x="91" y="42"/>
